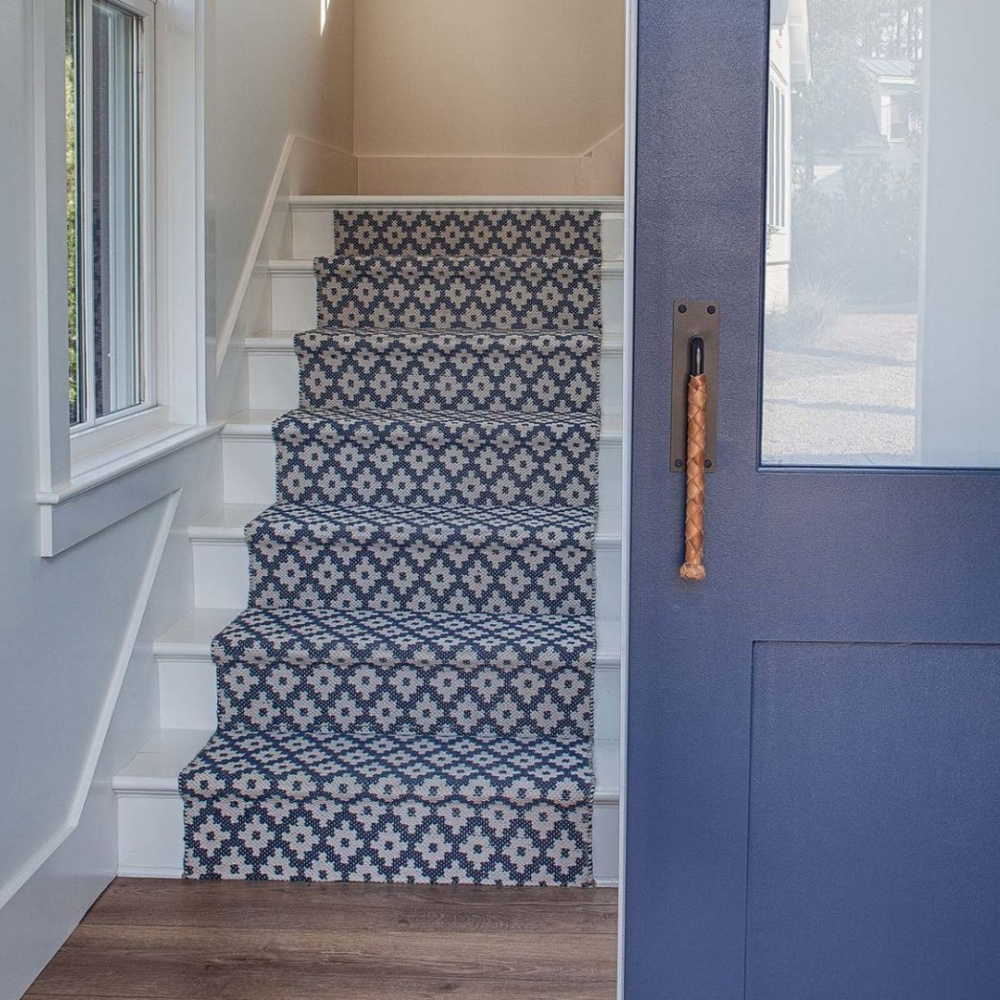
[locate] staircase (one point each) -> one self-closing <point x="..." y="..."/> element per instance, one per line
<point x="303" y="618"/>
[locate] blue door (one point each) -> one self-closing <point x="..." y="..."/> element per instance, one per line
<point x="813" y="758"/>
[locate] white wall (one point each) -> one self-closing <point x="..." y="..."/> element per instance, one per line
<point x="270" y="71"/>
<point x="65" y="640"/>
<point x="78" y="690"/>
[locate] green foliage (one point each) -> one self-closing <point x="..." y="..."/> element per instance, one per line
<point x="814" y="306"/>
<point x="835" y="107"/>
<point x="71" y="215"/>
<point x="864" y="237"/>
<point x="855" y="237"/>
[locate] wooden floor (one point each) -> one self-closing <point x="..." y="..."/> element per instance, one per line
<point x="274" y="940"/>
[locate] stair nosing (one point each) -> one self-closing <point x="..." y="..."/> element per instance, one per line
<point x="304" y="265"/>
<point x="282" y="342"/>
<point x="163" y="786"/>
<point x="226" y="534"/>
<point x="198" y="650"/>
<point x="592" y="202"/>
<point x="261" y="429"/>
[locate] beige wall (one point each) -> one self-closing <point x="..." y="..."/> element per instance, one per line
<point x="599" y="172"/>
<point x="487" y="78"/>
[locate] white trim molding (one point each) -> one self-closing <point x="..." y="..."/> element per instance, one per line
<point x="89" y="766"/>
<point x="628" y="257"/>
<point x="179" y="307"/>
<point x="303" y="163"/>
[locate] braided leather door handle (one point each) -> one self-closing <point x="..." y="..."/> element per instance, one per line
<point x="694" y="514"/>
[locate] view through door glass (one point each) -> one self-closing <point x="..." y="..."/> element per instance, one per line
<point x="882" y="327"/>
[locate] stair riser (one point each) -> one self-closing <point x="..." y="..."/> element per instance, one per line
<point x="371" y="462"/>
<point x="312" y="233"/>
<point x="459" y="293"/>
<point x="188" y="696"/>
<point x="222" y="575"/>
<point x="151" y="837"/>
<point x="405" y="577"/>
<point x="293" y="299"/>
<point x="240" y="838"/>
<point x="249" y="477"/>
<point x="274" y="379"/>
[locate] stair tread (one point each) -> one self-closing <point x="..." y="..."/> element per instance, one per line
<point x="284" y="340"/>
<point x="306" y="265"/>
<point x="155" y="769"/>
<point x="549" y="527"/>
<point x="228" y="522"/>
<point x="260" y="423"/>
<point x="454" y="421"/>
<point x="192" y="635"/>
<point x="425" y="640"/>
<point x="458" y="202"/>
<point x="303" y="765"/>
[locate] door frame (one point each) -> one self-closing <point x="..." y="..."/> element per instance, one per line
<point x="628" y="260"/>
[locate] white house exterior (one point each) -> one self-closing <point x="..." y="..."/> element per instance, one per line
<point x="789" y="65"/>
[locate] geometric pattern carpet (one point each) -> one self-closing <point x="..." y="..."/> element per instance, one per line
<point x="408" y="696"/>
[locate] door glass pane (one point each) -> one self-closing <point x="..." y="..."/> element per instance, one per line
<point x="117" y="340"/>
<point x="882" y="322"/>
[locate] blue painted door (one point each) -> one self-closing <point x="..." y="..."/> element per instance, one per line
<point x="813" y="791"/>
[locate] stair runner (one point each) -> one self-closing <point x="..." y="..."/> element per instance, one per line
<point x="409" y="695"/>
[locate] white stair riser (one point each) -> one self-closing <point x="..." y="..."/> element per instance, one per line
<point x="312" y="232"/>
<point x="187" y="696"/>
<point x="274" y="379"/>
<point x="248" y="465"/>
<point x="187" y="692"/>
<point x="151" y="837"/>
<point x="293" y="300"/>
<point x="222" y="575"/>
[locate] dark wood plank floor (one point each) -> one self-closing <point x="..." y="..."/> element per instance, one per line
<point x="294" y="941"/>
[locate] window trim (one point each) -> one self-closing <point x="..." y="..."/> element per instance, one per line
<point x="77" y="494"/>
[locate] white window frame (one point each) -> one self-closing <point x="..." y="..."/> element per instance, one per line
<point x="778" y="153"/>
<point x="88" y="479"/>
<point x="94" y="434"/>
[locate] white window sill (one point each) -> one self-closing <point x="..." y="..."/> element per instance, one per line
<point x="111" y="483"/>
<point x="93" y="446"/>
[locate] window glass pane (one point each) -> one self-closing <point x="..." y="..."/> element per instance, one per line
<point x="76" y="407"/>
<point x="882" y="323"/>
<point x="114" y="151"/>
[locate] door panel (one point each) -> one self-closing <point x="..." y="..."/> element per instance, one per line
<point x="841" y="597"/>
<point x="874" y="822"/>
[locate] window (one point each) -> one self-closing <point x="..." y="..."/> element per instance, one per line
<point x="899" y="118"/>
<point x="109" y="49"/>
<point x="777" y="159"/>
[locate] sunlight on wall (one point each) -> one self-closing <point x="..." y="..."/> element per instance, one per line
<point x="324" y="7"/>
